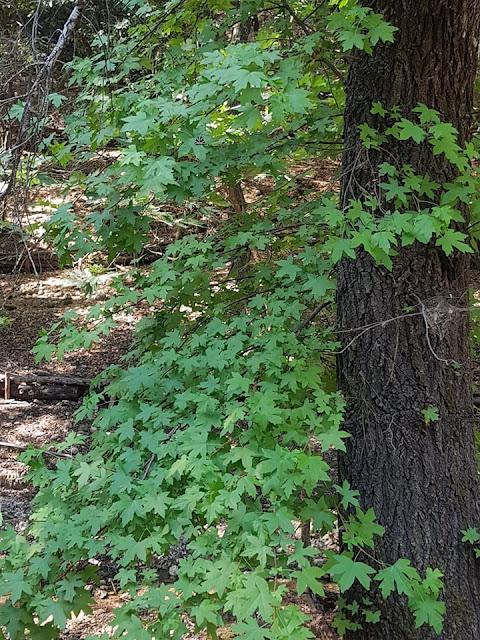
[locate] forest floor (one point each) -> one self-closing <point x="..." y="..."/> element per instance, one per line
<point x="31" y="303"/>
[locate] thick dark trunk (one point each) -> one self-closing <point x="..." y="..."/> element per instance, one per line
<point x="420" y="478"/>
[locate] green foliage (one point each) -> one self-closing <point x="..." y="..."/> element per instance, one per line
<point x="472" y="536"/>
<point x="414" y="208"/>
<point x="213" y="430"/>
<point x="218" y="427"/>
<point x="430" y="414"/>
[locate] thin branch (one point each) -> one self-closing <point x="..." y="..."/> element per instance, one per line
<point x="311" y="316"/>
<point x="19" y="447"/>
<point x="423" y="312"/>
<point x="296" y="17"/>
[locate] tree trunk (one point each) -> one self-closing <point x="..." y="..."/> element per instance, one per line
<point x="420" y="478"/>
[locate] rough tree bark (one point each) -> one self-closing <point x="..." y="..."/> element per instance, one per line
<point x="421" y="480"/>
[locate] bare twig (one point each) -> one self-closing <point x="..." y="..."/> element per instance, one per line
<point x="19" y="447"/>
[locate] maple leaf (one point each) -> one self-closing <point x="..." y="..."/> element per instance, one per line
<point x="346" y="571"/>
<point x="398" y="577"/>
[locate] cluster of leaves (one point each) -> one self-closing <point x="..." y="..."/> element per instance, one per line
<point x="188" y="110"/>
<point x="409" y="207"/>
<point x="216" y="437"/>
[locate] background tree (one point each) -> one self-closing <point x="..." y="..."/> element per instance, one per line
<point x="419" y="475"/>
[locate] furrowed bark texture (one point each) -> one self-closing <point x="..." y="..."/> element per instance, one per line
<point x="420" y="479"/>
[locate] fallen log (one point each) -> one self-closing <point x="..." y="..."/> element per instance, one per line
<point x="43" y="387"/>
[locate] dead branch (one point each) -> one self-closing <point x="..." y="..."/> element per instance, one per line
<point x="23" y="136"/>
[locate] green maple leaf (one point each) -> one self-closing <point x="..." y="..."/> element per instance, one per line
<point x="132" y="156"/>
<point x="220" y="576"/>
<point x="423" y="228"/>
<point x="242" y="78"/>
<point x="137" y="550"/>
<point x="317" y="511"/>
<point x="451" y="240"/>
<point x="206" y="612"/>
<point x="126" y="577"/>
<point x="351" y="39"/>
<point x="84" y="472"/>
<point x="318" y="285"/>
<point x="139" y="123"/>
<point x="378" y="108"/>
<point x="279" y="519"/>
<point x="430" y="414"/>
<point x="127" y="507"/>
<point x="386" y="169"/>
<point x="121" y="482"/>
<point x="288" y="269"/>
<point x="251" y="630"/>
<point x="406" y="130"/>
<point x="56" y="609"/>
<point x="14" y="619"/>
<point x="299" y="99"/>
<point x="433" y="581"/>
<point x="394" y="190"/>
<point x="334" y="438"/>
<point x="443" y="130"/>
<point x="43" y="350"/>
<point x="372" y="617"/>
<point x="255" y="596"/>
<point x="256" y="548"/>
<point x="370" y="137"/>
<point x="349" y="495"/>
<point x="39" y="564"/>
<point x="454" y="192"/>
<point x="443" y="140"/>
<point x="156" y="174"/>
<point x="429" y="611"/>
<point x="426" y="114"/>
<point x="401" y="577"/>
<point x="156" y="501"/>
<point x="309" y="577"/>
<point x="264" y="407"/>
<point x="329" y="212"/>
<point x="362" y="528"/>
<point x="447" y="214"/>
<point x="346" y="571"/>
<point x="383" y="32"/>
<point x="16" y="585"/>
<point x="471" y="535"/>
<point x="339" y="247"/>
<point x="383" y="240"/>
